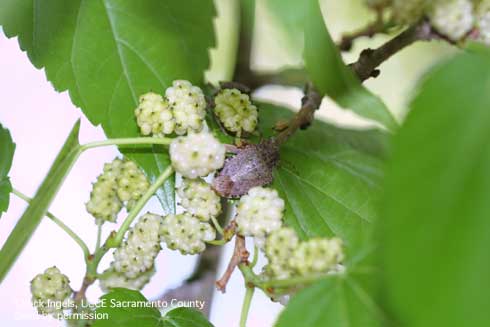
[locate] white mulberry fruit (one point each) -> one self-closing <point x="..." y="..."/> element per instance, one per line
<point x="452" y="18"/>
<point x="483" y="22"/>
<point x="154" y="116"/>
<point x="137" y="253"/>
<point x="188" y="106"/>
<point x="186" y="233"/>
<point x="104" y="203"/>
<point x="279" y="247"/>
<point x="51" y="291"/>
<point x="197" y="155"/>
<point x="259" y="212"/>
<point x="111" y="279"/>
<point x="131" y="183"/>
<point x="199" y="199"/>
<point x="317" y="256"/>
<point x="235" y="111"/>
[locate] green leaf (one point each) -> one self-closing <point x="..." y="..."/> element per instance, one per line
<point x="7" y="148"/>
<point x="39" y="205"/>
<point x="137" y="313"/>
<point x="108" y="52"/>
<point x="112" y="305"/>
<point x="5" y="189"/>
<point x="185" y="317"/>
<point x="330" y="177"/>
<point x="332" y="77"/>
<point x="436" y="226"/>
<point x="291" y="14"/>
<point x="347" y="299"/>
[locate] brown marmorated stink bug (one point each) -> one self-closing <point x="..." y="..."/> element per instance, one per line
<point x="251" y="166"/>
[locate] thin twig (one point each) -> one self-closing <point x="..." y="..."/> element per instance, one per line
<point x="57" y="221"/>
<point x="303" y="118"/>
<point x="369" y="60"/>
<point x="376" y="27"/>
<point x="240" y="255"/>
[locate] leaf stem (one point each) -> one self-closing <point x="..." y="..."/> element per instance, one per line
<point x="99" y="234"/>
<point x="246" y="306"/>
<point x="127" y="141"/>
<point x="217" y="226"/>
<point x="70" y="232"/>
<point x="255" y="257"/>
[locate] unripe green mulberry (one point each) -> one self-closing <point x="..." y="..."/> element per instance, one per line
<point x="259" y="212"/>
<point x="235" y="111"/>
<point x="51" y="290"/>
<point x="188" y="106"/>
<point x="452" y="18"/>
<point x="317" y="256"/>
<point x="279" y="247"/>
<point x="186" y="233"/>
<point x="131" y="183"/>
<point x="138" y="252"/>
<point x="154" y="116"/>
<point x="112" y="279"/>
<point x="104" y="203"/>
<point x="199" y="199"/>
<point x="197" y="155"/>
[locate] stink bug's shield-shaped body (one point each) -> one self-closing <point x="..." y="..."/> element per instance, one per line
<point x="251" y="166"/>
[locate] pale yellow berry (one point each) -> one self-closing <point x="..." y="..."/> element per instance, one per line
<point x="112" y="279"/>
<point x="197" y="155"/>
<point x="235" y="111"/>
<point x="51" y="292"/>
<point x="137" y="253"/>
<point x="131" y="183"/>
<point x="452" y="18"/>
<point x="186" y="233"/>
<point x="199" y="199"/>
<point x="317" y="256"/>
<point x="104" y="203"/>
<point x="279" y="247"/>
<point x="188" y="106"/>
<point x="154" y="116"/>
<point x="259" y="212"/>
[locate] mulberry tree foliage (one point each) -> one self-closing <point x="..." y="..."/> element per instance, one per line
<point x="341" y="245"/>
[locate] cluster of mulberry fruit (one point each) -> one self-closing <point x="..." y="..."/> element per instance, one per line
<point x="260" y="215"/>
<point x="457" y="20"/>
<point x="195" y="153"/>
<point x="121" y="183"/>
<point x="288" y="256"/>
<point x="182" y="110"/>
